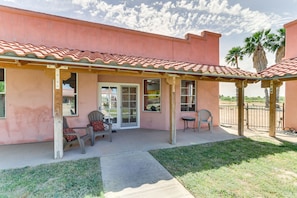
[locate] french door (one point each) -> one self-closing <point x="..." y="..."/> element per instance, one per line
<point x="120" y="104"/>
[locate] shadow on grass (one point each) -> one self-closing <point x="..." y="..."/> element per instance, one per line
<point x="182" y="160"/>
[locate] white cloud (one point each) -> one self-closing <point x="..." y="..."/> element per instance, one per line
<point x="85" y="4"/>
<point x="79" y="12"/>
<point x="178" y="17"/>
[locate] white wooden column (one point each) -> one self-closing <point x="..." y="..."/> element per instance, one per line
<point x="59" y="76"/>
<point x="171" y="80"/>
<point x="240" y="85"/>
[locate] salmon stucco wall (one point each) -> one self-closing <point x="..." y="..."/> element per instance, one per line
<point x="158" y="120"/>
<point x="28" y="107"/>
<point x="29" y="101"/>
<point x="42" y="29"/>
<point x="87" y="99"/>
<point x="291" y="86"/>
<point x="207" y="93"/>
<point x="208" y="98"/>
<point x="291" y="39"/>
<point x="291" y="105"/>
<point x="149" y="120"/>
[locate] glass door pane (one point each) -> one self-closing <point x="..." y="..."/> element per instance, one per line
<point x="109" y="104"/>
<point x="129" y="106"/>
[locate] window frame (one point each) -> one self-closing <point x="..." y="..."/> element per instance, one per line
<point x="158" y="109"/>
<point x="4" y="93"/>
<point x="75" y="95"/>
<point x="193" y="94"/>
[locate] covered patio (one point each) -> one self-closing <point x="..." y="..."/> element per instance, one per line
<point x="124" y="141"/>
<point x="187" y="73"/>
<point x="58" y="64"/>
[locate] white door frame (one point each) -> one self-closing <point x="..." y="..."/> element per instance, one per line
<point x="119" y="87"/>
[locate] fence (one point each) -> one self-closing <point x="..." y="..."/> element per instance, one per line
<point x="255" y="117"/>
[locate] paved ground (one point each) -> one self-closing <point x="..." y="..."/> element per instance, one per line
<point x="128" y="170"/>
<point x="138" y="174"/>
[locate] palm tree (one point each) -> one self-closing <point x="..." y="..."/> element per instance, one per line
<point x="255" y="45"/>
<point x="235" y="54"/>
<point x="276" y="44"/>
<point x="232" y="58"/>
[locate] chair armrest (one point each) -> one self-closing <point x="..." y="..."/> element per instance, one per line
<point x="68" y="134"/>
<point x="74" y="133"/>
<point x="79" y="127"/>
<point x="77" y="134"/>
<point x="108" y="124"/>
<point x="85" y="128"/>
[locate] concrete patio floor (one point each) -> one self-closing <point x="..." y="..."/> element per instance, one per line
<point x="128" y="170"/>
<point x="130" y="140"/>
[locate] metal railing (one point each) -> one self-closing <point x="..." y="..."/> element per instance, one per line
<point x="255" y="116"/>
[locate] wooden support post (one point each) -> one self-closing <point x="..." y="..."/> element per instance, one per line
<point x="272" y="107"/>
<point x="272" y="84"/>
<point x="240" y="85"/>
<point x="171" y="80"/>
<point x="58" y="116"/>
<point x="59" y="76"/>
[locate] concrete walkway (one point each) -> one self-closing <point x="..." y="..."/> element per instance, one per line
<point x="128" y="170"/>
<point x="138" y="174"/>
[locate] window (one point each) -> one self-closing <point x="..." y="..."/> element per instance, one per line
<point x="151" y="95"/>
<point x="70" y="95"/>
<point x="2" y="93"/>
<point x="188" y="95"/>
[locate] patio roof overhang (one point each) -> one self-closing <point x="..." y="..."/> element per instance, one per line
<point x="286" y="70"/>
<point x="273" y="77"/>
<point x="28" y="56"/>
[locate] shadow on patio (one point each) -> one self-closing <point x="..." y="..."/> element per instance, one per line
<point x="21" y="155"/>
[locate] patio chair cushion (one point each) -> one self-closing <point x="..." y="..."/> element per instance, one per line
<point x="97" y="125"/>
<point x="69" y="138"/>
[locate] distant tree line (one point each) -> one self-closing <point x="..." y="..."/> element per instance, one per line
<point x="248" y="99"/>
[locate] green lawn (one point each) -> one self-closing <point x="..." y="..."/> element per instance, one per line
<point x="81" y="178"/>
<point x="258" y="167"/>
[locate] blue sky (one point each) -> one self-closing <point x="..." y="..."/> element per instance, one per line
<point x="235" y="20"/>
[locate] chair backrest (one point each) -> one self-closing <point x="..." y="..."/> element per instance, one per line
<point x="204" y="114"/>
<point x="95" y="116"/>
<point x="65" y="124"/>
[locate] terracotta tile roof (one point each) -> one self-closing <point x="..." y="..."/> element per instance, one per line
<point x="285" y="69"/>
<point x="97" y="59"/>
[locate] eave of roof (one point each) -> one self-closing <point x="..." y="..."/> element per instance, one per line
<point x="285" y="70"/>
<point x="74" y="57"/>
